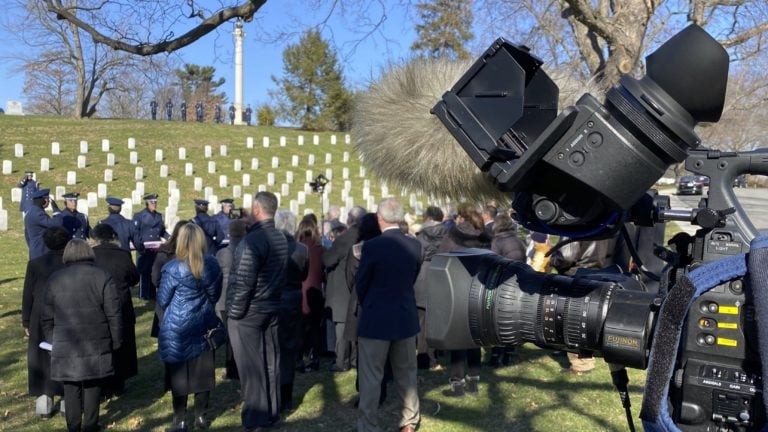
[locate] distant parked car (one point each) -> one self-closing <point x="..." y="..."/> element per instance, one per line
<point x="704" y="180"/>
<point x="740" y="181"/>
<point x="690" y="185"/>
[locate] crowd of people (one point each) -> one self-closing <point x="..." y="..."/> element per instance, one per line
<point x="284" y="290"/>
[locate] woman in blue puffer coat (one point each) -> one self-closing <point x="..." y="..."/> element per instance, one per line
<point x="190" y="285"/>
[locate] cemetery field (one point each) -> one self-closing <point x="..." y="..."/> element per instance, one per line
<point x="531" y="394"/>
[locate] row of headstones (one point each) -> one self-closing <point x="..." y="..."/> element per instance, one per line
<point x="105" y="144"/>
<point x="45" y="163"/>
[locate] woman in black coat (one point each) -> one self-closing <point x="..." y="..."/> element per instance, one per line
<point x="467" y="233"/>
<point x="82" y="320"/>
<point x="118" y="262"/>
<point x="38" y="359"/>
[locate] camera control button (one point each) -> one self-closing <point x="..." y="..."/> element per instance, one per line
<point x="576" y="158"/>
<point x="709" y="340"/>
<point x="595" y="139"/>
<point x="712" y="307"/>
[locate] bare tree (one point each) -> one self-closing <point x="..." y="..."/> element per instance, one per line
<point x="48" y="87"/>
<point x="59" y="46"/>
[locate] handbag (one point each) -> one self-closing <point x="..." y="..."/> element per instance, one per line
<point x="217" y="336"/>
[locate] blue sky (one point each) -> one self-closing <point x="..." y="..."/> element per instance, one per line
<point x="363" y="56"/>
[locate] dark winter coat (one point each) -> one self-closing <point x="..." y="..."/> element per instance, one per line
<point x="35" y="223"/>
<point x="33" y="301"/>
<point x="214" y="235"/>
<point x="225" y="257"/>
<point x="335" y="261"/>
<point x="119" y="264"/>
<point x="464" y="236"/>
<point x="257" y="278"/>
<point x="82" y="320"/>
<point x="384" y="282"/>
<point x="123" y="228"/>
<point x="290" y="323"/>
<point x="164" y="254"/>
<point x="509" y="246"/>
<point x="188" y="309"/>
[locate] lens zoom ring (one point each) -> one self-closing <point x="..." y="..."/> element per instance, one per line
<point x="515" y="314"/>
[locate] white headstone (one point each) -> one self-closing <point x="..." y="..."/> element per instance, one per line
<point x="18" y="150"/>
<point x="55" y="148"/>
<point x="301" y="197"/>
<point x="140" y="189"/>
<point x="208" y="151"/>
<point x="7" y="167"/>
<point x="366" y="192"/>
<point x="60" y="191"/>
<point x="223" y="150"/>
<point x="15" y="195"/>
<point x="45" y="164"/>
<point x="163" y="170"/>
<point x="346" y="157"/>
<point x="105" y="145"/>
<point x="3" y="220"/>
<point x="135" y="196"/>
<point x="138" y="173"/>
<point x="371" y="202"/>
<point x="222" y="181"/>
<point x="345" y="173"/>
<point x="284" y="189"/>
<point x="294" y="160"/>
<point x="246" y="180"/>
<point x="131" y="143"/>
<point x="158" y="155"/>
<point x="384" y="190"/>
<point x="282" y="141"/>
<point x="189" y="169"/>
<point x="237" y="191"/>
<point x="347" y="139"/>
<point x="254" y="164"/>
<point x="110" y="159"/>
<point x="13" y="108"/>
<point x="294" y="207"/>
<point x="316" y="139"/>
<point x="249" y="142"/>
<point x="333" y="139"/>
<point x="101" y="190"/>
<point x="328" y="158"/>
<point x="348" y="185"/>
<point x="198" y="184"/>
<point x="247" y="200"/>
<point x="127" y="209"/>
<point x="211" y="167"/>
<point x="261" y="188"/>
<point x="71" y="177"/>
<point x="289" y="177"/>
<point x="311" y="159"/>
<point x="329" y="173"/>
<point x="310" y="176"/>
<point x="275" y="162"/>
<point x="300" y="140"/>
<point x="81" y="162"/>
<point x="265" y="142"/>
<point x="171" y="185"/>
<point x="84" y="147"/>
<point x="271" y="179"/>
<point x="93" y="200"/>
<point x="107" y="175"/>
<point x="133" y="158"/>
<point x="367" y="183"/>
<point x="362" y="172"/>
<point x="238" y="165"/>
<point x="182" y="153"/>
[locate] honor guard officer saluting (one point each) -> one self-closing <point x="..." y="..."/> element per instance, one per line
<point x="183" y="110"/>
<point x="28" y="187"/>
<point x="199" y="111"/>
<point x="224" y="217"/>
<point x="122" y="226"/>
<point x="74" y="221"/>
<point x="148" y="233"/>
<point x="37" y="221"/>
<point x="213" y="232"/>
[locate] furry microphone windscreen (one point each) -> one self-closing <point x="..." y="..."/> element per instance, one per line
<point x="406" y="146"/>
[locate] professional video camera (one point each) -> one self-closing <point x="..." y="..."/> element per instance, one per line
<point x="585" y="174"/>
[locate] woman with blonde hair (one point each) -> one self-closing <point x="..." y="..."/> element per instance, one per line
<point x="190" y="285"/>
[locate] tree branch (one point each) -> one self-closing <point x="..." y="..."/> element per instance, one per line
<point x="745" y="36"/>
<point x="245" y="10"/>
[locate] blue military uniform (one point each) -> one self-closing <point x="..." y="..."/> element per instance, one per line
<point x="28" y="188"/>
<point x="35" y="224"/>
<point x="122" y="226"/>
<point x="74" y="221"/>
<point x="224" y="219"/>
<point x="214" y="235"/>
<point x="148" y="226"/>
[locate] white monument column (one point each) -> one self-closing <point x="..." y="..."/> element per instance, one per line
<point x="239" y="34"/>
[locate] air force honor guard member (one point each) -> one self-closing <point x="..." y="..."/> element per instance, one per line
<point x="28" y="187"/>
<point x="213" y="232"/>
<point x="75" y="222"/>
<point x="122" y="226"/>
<point x="148" y="232"/>
<point x="37" y="221"/>
<point x="224" y="217"/>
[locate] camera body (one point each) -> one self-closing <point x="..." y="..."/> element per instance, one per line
<point x="584" y="174"/>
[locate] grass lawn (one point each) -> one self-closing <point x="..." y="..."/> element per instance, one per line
<point x="530" y="394"/>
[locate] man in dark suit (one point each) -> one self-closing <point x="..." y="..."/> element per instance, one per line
<point x="489" y="215"/>
<point x="337" y="290"/>
<point x="388" y="321"/>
